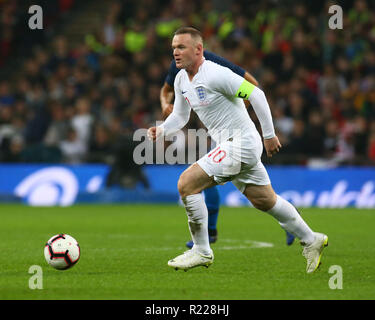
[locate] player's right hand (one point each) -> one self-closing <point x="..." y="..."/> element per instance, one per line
<point x="272" y="146"/>
<point x="167" y="110"/>
<point x="154" y="133"/>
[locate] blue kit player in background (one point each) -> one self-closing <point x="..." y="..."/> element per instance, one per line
<point x="212" y="197"/>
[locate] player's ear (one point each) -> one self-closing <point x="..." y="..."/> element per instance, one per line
<point x="199" y="48"/>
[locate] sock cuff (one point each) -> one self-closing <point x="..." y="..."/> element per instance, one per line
<point x="278" y="204"/>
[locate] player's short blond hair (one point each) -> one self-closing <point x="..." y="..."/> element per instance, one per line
<point x="196" y="35"/>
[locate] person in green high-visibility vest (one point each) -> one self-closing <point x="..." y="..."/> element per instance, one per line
<point x="134" y="41"/>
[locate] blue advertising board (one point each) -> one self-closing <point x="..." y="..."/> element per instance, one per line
<point x="64" y="185"/>
<point x="46" y="185"/>
<point x="304" y="187"/>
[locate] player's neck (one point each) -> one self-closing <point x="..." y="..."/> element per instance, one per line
<point x="193" y="70"/>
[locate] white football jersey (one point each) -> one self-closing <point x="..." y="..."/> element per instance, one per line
<point x="211" y="94"/>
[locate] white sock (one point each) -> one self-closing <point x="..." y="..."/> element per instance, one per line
<point x="291" y="221"/>
<point x="197" y="213"/>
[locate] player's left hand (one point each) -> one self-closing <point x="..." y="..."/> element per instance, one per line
<point x="272" y="146"/>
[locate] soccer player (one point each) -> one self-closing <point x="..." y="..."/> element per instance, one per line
<point x="212" y="197"/>
<point x="212" y="91"/>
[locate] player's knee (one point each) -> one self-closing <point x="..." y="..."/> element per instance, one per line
<point x="182" y="187"/>
<point x="259" y="204"/>
<point x="263" y="203"/>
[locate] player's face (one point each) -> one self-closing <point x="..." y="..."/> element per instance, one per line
<point x="184" y="50"/>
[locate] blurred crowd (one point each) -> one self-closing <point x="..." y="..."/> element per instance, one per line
<point x="82" y="102"/>
<point x="15" y="36"/>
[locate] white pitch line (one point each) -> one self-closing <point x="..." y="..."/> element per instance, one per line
<point x="229" y="244"/>
<point x="245" y="244"/>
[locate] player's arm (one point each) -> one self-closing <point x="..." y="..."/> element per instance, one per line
<point x="175" y="121"/>
<point x="166" y="99"/>
<point x="232" y="84"/>
<point x="167" y="91"/>
<point x="253" y="81"/>
<point x="258" y="100"/>
<point x="250" y="78"/>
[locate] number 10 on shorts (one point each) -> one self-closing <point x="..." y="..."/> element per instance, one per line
<point x="217" y="155"/>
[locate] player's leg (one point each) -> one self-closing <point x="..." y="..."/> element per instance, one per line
<point x="254" y="183"/>
<point x="290" y="237"/>
<point x="190" y="184"/>
<point x="216" y="167"/>
<point x="265" y="199"/>
<point x="212" y="199"/>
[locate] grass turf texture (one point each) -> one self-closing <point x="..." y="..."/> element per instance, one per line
<point x="125" y="250"/>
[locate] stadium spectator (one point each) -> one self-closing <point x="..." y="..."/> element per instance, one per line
<point x="100" y="149"/>
<point x="330" y="139"/>
<point x="73" y="149"/>
<point x="59" y="126"/>
<point x="82" y="121"/>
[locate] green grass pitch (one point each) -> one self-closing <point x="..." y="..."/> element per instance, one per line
<point x="125" y="249"/>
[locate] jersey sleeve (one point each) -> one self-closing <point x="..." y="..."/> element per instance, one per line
<point x="180" y="114"/>
<point x="224" y="62"/>
<point x="260" y="105"/>
<point x="225" y="81"/>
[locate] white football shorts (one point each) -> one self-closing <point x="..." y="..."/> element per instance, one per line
<point x="221" y="164"/>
